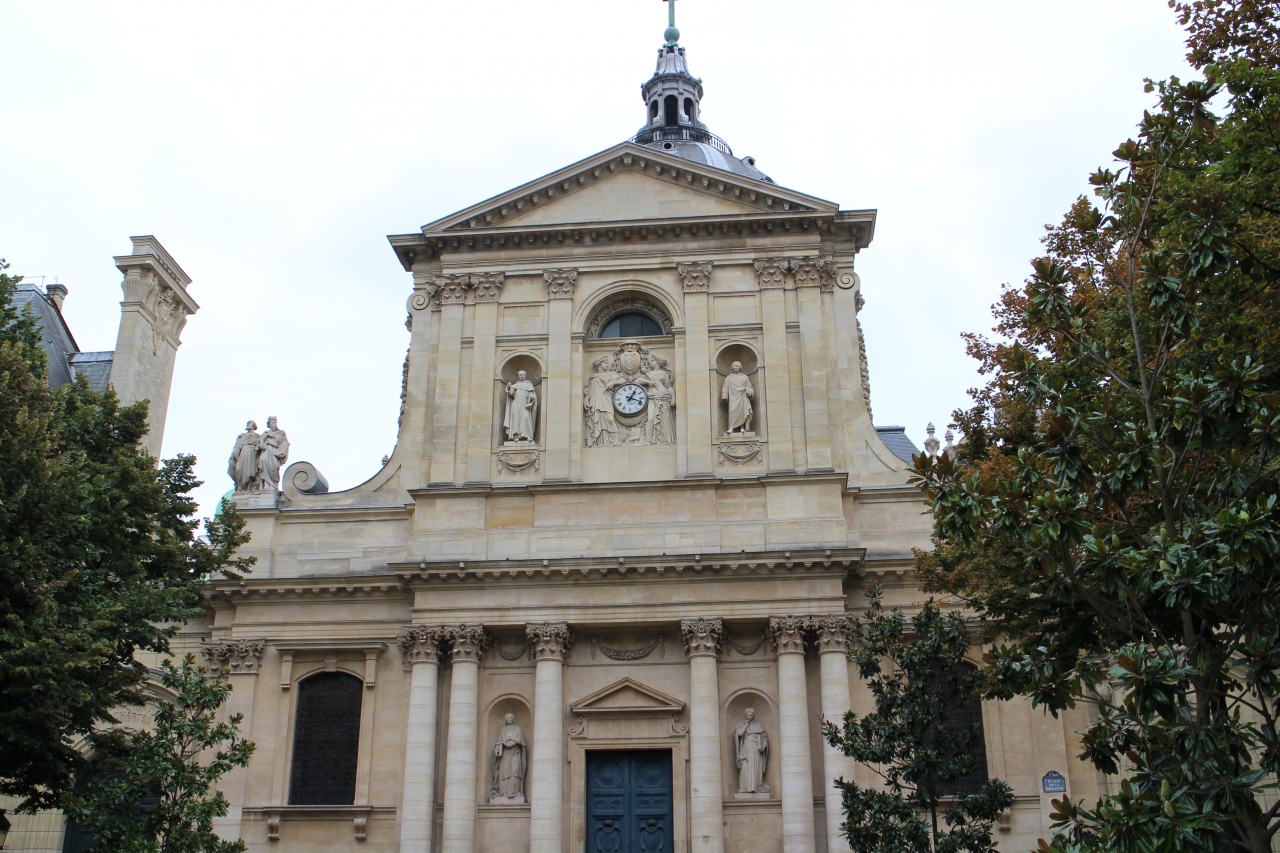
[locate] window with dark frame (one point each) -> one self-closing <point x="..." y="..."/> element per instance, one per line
<point x="326" y="740"/>
<point x="958" y="722"/>
<point x="633" y="324"/>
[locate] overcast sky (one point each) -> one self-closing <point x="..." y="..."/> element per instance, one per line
<point x="272" y="146"/>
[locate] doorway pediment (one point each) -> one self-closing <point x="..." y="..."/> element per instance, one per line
<point x="627" y="696"/>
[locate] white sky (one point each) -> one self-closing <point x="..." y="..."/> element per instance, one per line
<point x="272" y="146"/>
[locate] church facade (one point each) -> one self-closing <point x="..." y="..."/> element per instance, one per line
<point x="596" y="599"/>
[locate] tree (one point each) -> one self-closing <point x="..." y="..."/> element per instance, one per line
<point x="99" y="559"/>
<point x="916" y="740"/>
<point x="154" y="791"/>
<point x="1112" y="513"/>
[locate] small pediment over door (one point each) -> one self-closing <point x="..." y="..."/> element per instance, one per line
<point x="628" y="697"/>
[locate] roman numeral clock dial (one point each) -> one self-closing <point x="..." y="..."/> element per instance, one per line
<point x="630" y="399"/>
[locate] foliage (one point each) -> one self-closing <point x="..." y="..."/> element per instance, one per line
<point x="916" y="739"/>
<point x="99" y="560"/>
<point x="154" y="792"/>
<point x="1112" y="513"/>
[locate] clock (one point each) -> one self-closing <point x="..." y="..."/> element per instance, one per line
<point x="630" y="399"/>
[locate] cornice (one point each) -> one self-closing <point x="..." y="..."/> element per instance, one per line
<point x="405" y="576"/>
<point x="834" y="478"/>
<point x="856" y="227"/>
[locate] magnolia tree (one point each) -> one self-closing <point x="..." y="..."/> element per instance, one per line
<point x="1111" y="514"/>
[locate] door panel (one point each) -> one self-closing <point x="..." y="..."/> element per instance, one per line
<point x="629" y="802"/>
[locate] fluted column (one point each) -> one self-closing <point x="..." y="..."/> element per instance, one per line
<point x="702" y="638"/>
<point x="833" y="656"/>
<point x="793" y="709"/>
<point x="550" y="641"/>
<point x="420" y="646"/>
<point x="469" y="643"/>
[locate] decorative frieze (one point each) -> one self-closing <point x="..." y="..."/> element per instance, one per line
<point x="788" y="633"/>
<point x="560" y="283"/>
<point x="739" y="453"/>
<point x="467" y="642"/>
<point x="659" y="643"/>
<point x="518" y="461"/>
<point x="237" y="656"/>
<point x="702" y="636"/>
<point x="487" y="285"/>
<point x="771" y="272"/>
<point x="550" y="640"/>
<point x="832" y="633"/>
<point x="695" y="277"/>
<point x="422" y="644"/>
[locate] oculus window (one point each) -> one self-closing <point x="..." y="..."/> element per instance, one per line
<point x="633" y="324"/>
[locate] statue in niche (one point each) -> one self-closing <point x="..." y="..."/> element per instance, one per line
<point x="522" y="408"/>
<point x="753" y="754"/>
<point x="273" y="452"/>
<point x="242" y="467"/>
<point x="737" y="392"/>
<point x="602" y="428"/>
<point x="509" y="764"/>
<point x="660" y="427"/>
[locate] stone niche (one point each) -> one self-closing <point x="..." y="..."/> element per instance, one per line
<point x="767" y="715"/>
<point x="502" y="827"/>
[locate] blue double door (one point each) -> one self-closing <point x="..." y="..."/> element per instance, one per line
<point x="629" y="801"/>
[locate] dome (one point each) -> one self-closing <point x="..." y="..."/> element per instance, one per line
<point x="708" y="154"/>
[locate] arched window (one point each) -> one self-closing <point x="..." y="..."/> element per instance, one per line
<point x="653" y="110"/>
<point x="671" y="109"/>
<point x="688" y="109"/>
<point x="326" y="741"/>
<point x="633" y="324"/>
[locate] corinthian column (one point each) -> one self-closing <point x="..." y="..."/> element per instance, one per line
<point x="550" y="641"/>
<point x="702" y="639"/>
<point x="833" y="655"/>
<point x="793" y="708"/>
<point x="469" y="643"/>
<point x="420" y="646"/>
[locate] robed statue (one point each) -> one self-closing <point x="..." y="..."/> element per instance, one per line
<point x="509" y="763"/>
<point x="597" y="402"/>
<point x="242" y="467"/>
<point x="273" y="452"/>
<point x="522" y="408"/>
<point x="737" y="392"/>
<point x="753" y="754"/>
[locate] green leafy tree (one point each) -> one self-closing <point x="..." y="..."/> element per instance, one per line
<point x="154" y="792"/>
<point x="1112" y="513"/>
<point x="916" y="740"/>
<point x="99" y="560"/>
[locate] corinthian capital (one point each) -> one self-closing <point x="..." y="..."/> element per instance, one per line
<point x="422" y="643"/>
<point x="832" y="632"/>
<point x="787" y="633"/>
<point x="468" y="642"/>
<point x="560" y="282"/>
<point x="695" y="277"/>
<point x="237" y="656"/>
<point x="702" y="636"/>
<point x="550" y="640"/>
<point x="771" y="272"/>
<point x="487" y="285"/>
<point x="452" y="289"/>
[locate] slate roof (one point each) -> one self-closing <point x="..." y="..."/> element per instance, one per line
<point x="95" y="367"/>
<point x="55" y="336"/>
<point x="895" y="438"/>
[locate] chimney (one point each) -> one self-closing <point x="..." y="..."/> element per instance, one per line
<point x="56" y="293"/>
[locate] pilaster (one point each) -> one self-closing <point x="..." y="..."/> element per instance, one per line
<point x="240" y="659"/>
<point x="451" y="292"/>
<point x="813" y="348"/>
<point x="556" y="385"/>
<point x="695" y="279"/>
<point x="771" y="279"/>
<point x="487" y="287"/>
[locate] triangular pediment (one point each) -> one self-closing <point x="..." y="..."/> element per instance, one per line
<point x="628" y="183"/>
<point x="627" y="696"/>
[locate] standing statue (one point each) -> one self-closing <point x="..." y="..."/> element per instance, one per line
<point x="509" y="763"/>
<point x="242" y="467"/>
<point x="753" y="754"/>
<point x="272" y="454"/>
<point x="602" y="428"/>
<point x="522" y="408"/>
<point x="660" y="426"/>
<point x="737" y="391"/>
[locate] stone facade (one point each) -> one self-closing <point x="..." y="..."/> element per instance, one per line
<point x="631" y="571"/>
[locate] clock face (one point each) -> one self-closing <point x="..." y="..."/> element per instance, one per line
<point x="630" y="399"/>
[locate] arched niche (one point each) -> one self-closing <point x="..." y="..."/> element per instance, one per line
<point x="746" y="354"/>
<point x="732" y="713"/>
<point x="493" y="720"/>
<point x="509" y="372"/>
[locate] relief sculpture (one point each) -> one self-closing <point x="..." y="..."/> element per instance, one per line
<point x="630" y="399"/>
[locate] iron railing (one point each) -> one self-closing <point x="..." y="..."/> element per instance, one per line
<point x="681" y="133"/>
